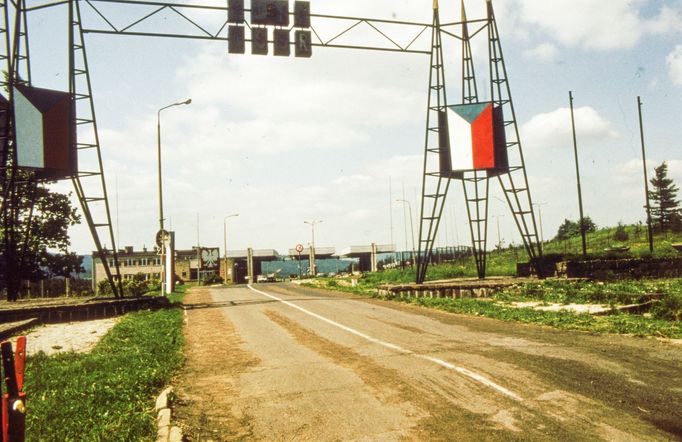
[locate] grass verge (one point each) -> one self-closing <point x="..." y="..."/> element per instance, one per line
<point x="664" y="320"/>
<point x="107" y="394"/>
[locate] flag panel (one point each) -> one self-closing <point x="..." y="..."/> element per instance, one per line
<point x="483" y="145"/>
<point x="28" y="132"/>
<point x="472" y="137"/>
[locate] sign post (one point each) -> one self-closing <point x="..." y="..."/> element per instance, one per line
<point x="299" y="249"/>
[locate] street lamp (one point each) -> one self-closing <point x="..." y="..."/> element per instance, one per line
<point x="409" y="206"/>
<point x="158" y="152"/>
<point x="225" y="238"/>
<point x="313" y="269"/>
<point x="542" y="236"/>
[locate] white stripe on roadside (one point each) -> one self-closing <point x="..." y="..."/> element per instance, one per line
<point x="472" y="375"/>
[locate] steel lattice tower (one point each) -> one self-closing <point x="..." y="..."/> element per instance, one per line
<point x="514" y="180"/>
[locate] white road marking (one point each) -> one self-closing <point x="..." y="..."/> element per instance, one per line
<point x="466" y="372"/>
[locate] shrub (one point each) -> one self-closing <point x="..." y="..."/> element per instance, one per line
<point x="212" y="278"/>
<point x="621" y="234"/>
<point x="104" y="288"/>
<point x="670" y="308"/>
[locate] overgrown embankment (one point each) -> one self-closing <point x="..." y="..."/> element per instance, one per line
<point x="107" y="394"/>
<point x="664" y="319"/>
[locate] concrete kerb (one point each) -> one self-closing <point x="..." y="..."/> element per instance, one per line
<point x="166" y="431"/>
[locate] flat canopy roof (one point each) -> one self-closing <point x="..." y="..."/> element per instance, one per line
<point x="320" y="252"/>
<point x="269" y="254"/>
<point x="357" y="251"/>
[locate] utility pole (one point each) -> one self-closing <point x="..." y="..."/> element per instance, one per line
<point x="646" y="179"/>
<point x="542" y="236"/>
<point x="414" y="252"/>
<point x="577" y="174"/>
<point x="225" y="240"/>
<point x="313" y="267"/>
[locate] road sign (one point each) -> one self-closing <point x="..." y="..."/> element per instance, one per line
<point x="235" y="42"/>
<point x="281" y="38"/>
<point x="303" y="43"/>
<point x="301" y="14"/>
<point x="299" y="248"/>
<point x="270" y="12"/>
<point x="259" y="41"/>
<point x="161" y="236"/>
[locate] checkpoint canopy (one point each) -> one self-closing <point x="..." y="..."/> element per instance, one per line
<point x="320" y="252"/>
<point x="367" y="255"/>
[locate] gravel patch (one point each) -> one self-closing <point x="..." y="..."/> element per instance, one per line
<point x="79" y="337"/>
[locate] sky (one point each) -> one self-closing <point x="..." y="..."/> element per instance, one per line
<point x="339" y="137"/>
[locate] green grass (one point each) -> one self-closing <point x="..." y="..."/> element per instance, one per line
<point x="109" y="393"/>
<point x="619" y="323"/>
<point x="664" y="321"/>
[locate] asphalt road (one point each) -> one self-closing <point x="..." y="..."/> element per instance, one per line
<point x="281" y="362"/>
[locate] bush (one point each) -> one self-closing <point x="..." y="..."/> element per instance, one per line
<point x="213" y="278"/>
<point x="621" y="234"/>
<point x="669" y="309"/>
<point x="104" y="288"/>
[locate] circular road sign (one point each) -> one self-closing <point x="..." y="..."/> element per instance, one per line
<point x="161" y="235"/>
<point x="299" y="248"/>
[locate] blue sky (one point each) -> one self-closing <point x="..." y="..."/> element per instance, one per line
<point x="280" y="141"/>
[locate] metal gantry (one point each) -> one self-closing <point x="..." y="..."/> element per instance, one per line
<point x="90" y="183"/>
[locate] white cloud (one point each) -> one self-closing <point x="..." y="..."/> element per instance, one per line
<point x="553" y="129"/>
<point x="674" y="62"/>
<point x="543" y="52"/>
<point x="668" y="20"/>
<point x="616" y="24"/>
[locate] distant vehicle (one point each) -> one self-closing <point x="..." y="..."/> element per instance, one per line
<point x="270" y="277"/>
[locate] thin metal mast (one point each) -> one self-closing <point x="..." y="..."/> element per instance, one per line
<point x="577" y="175"/>
<point x="650" y="233"/>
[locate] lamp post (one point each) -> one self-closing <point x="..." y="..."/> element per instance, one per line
<point x="225" y="239"/>
<point x="313" y="267"/>
<point x="158" y="152"/>
<point x="409" y="206"/>
<point x="542" y="235"/>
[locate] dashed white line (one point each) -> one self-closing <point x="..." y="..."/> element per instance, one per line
<point x="464" y="371"/>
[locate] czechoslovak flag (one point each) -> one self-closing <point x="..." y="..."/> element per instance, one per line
<point x="471" y="130"/>
<point x="472" y="137"/>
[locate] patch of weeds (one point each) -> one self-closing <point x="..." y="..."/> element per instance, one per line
<point x="107" y="394"/>
<point x="622" y="323"/>
<point x="670" y="308"/>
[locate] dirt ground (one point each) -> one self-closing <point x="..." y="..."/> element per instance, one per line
<point x="291" y="363"/>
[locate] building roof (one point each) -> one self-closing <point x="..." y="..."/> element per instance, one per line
<point x="270" y="254"/>
<point x="320" y="252"/>
<point x="356" y="251"/>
